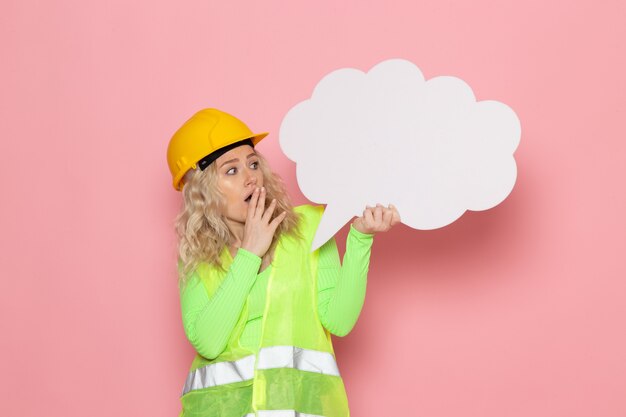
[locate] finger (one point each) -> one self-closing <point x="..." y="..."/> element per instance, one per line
<point x="378" y="214"/>
<point x="396" y="215"/>
<point x="369" y="217"/>
<point x="387" y="217"/>
<point x="393" y="213"/>
<point x="261" y="203"/>
<point x="274" y="224"/>
<point x="268" y="213"/>
<point x="253" y="203"/>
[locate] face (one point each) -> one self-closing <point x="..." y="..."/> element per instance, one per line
<point x="239" y="174"/>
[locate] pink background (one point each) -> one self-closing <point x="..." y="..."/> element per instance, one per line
<point x="515" y="311"/>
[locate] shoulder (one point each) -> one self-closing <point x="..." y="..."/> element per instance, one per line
<point x="310" y="210"/>
<point x="209" y="275"/>
<point x="309" y="219"/>
<point x="310" y="214"/>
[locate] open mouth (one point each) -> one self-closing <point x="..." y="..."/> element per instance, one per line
<point x="249" y="197"/>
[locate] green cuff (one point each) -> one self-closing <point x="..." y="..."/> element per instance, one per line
<point x="360" y="235"/>
<point x="248" y="258"/>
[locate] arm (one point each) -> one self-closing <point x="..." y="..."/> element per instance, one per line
<point x="209" y="320"/>
<point x="341" y="289"/>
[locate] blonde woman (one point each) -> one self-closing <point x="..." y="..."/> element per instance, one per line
<point x="257" y="305"/>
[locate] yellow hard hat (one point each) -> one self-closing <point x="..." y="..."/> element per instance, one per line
<point x="204" y="133"/>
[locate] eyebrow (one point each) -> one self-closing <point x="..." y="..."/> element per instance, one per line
<point x="237" y="159"/>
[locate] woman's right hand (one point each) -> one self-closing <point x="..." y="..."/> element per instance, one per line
<point x="259" y="231"/>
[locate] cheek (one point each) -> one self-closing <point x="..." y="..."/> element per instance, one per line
<point x="226" y="188"/>
<point x="231" y="196"/>
<point x="260" y="178"/>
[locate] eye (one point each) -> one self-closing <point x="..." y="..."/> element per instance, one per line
<point x="256" y="164"/>
<point x="227" y="172"/>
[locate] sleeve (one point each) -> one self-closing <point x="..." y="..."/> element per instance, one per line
<point x="341" y="288"/>
<point x="209" y="320"/>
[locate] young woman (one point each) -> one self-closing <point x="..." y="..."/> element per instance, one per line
<point x="257" y="305"/>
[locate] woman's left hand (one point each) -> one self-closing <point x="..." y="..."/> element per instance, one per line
<point x="377" y="219"/>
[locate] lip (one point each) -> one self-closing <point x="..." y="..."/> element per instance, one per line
<point x="248" y="195"/>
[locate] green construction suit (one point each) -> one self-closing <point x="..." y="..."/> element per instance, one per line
<point x="258" y="350"/>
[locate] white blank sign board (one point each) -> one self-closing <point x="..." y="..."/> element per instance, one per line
<point x="390" y="136"/>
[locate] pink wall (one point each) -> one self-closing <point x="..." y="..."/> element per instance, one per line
<point x="516" y="311"/>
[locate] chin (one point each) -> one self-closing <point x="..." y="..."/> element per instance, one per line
<point x="236" y="217"/>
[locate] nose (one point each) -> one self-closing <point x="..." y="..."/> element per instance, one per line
<point x="251" y="180"/>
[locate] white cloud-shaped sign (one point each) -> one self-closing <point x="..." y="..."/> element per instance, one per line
<point x="389" y="136"/>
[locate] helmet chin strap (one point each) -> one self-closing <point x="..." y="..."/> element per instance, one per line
<point x="207" y="160"/>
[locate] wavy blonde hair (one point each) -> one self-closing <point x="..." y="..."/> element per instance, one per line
<point x="200" y="227"/>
